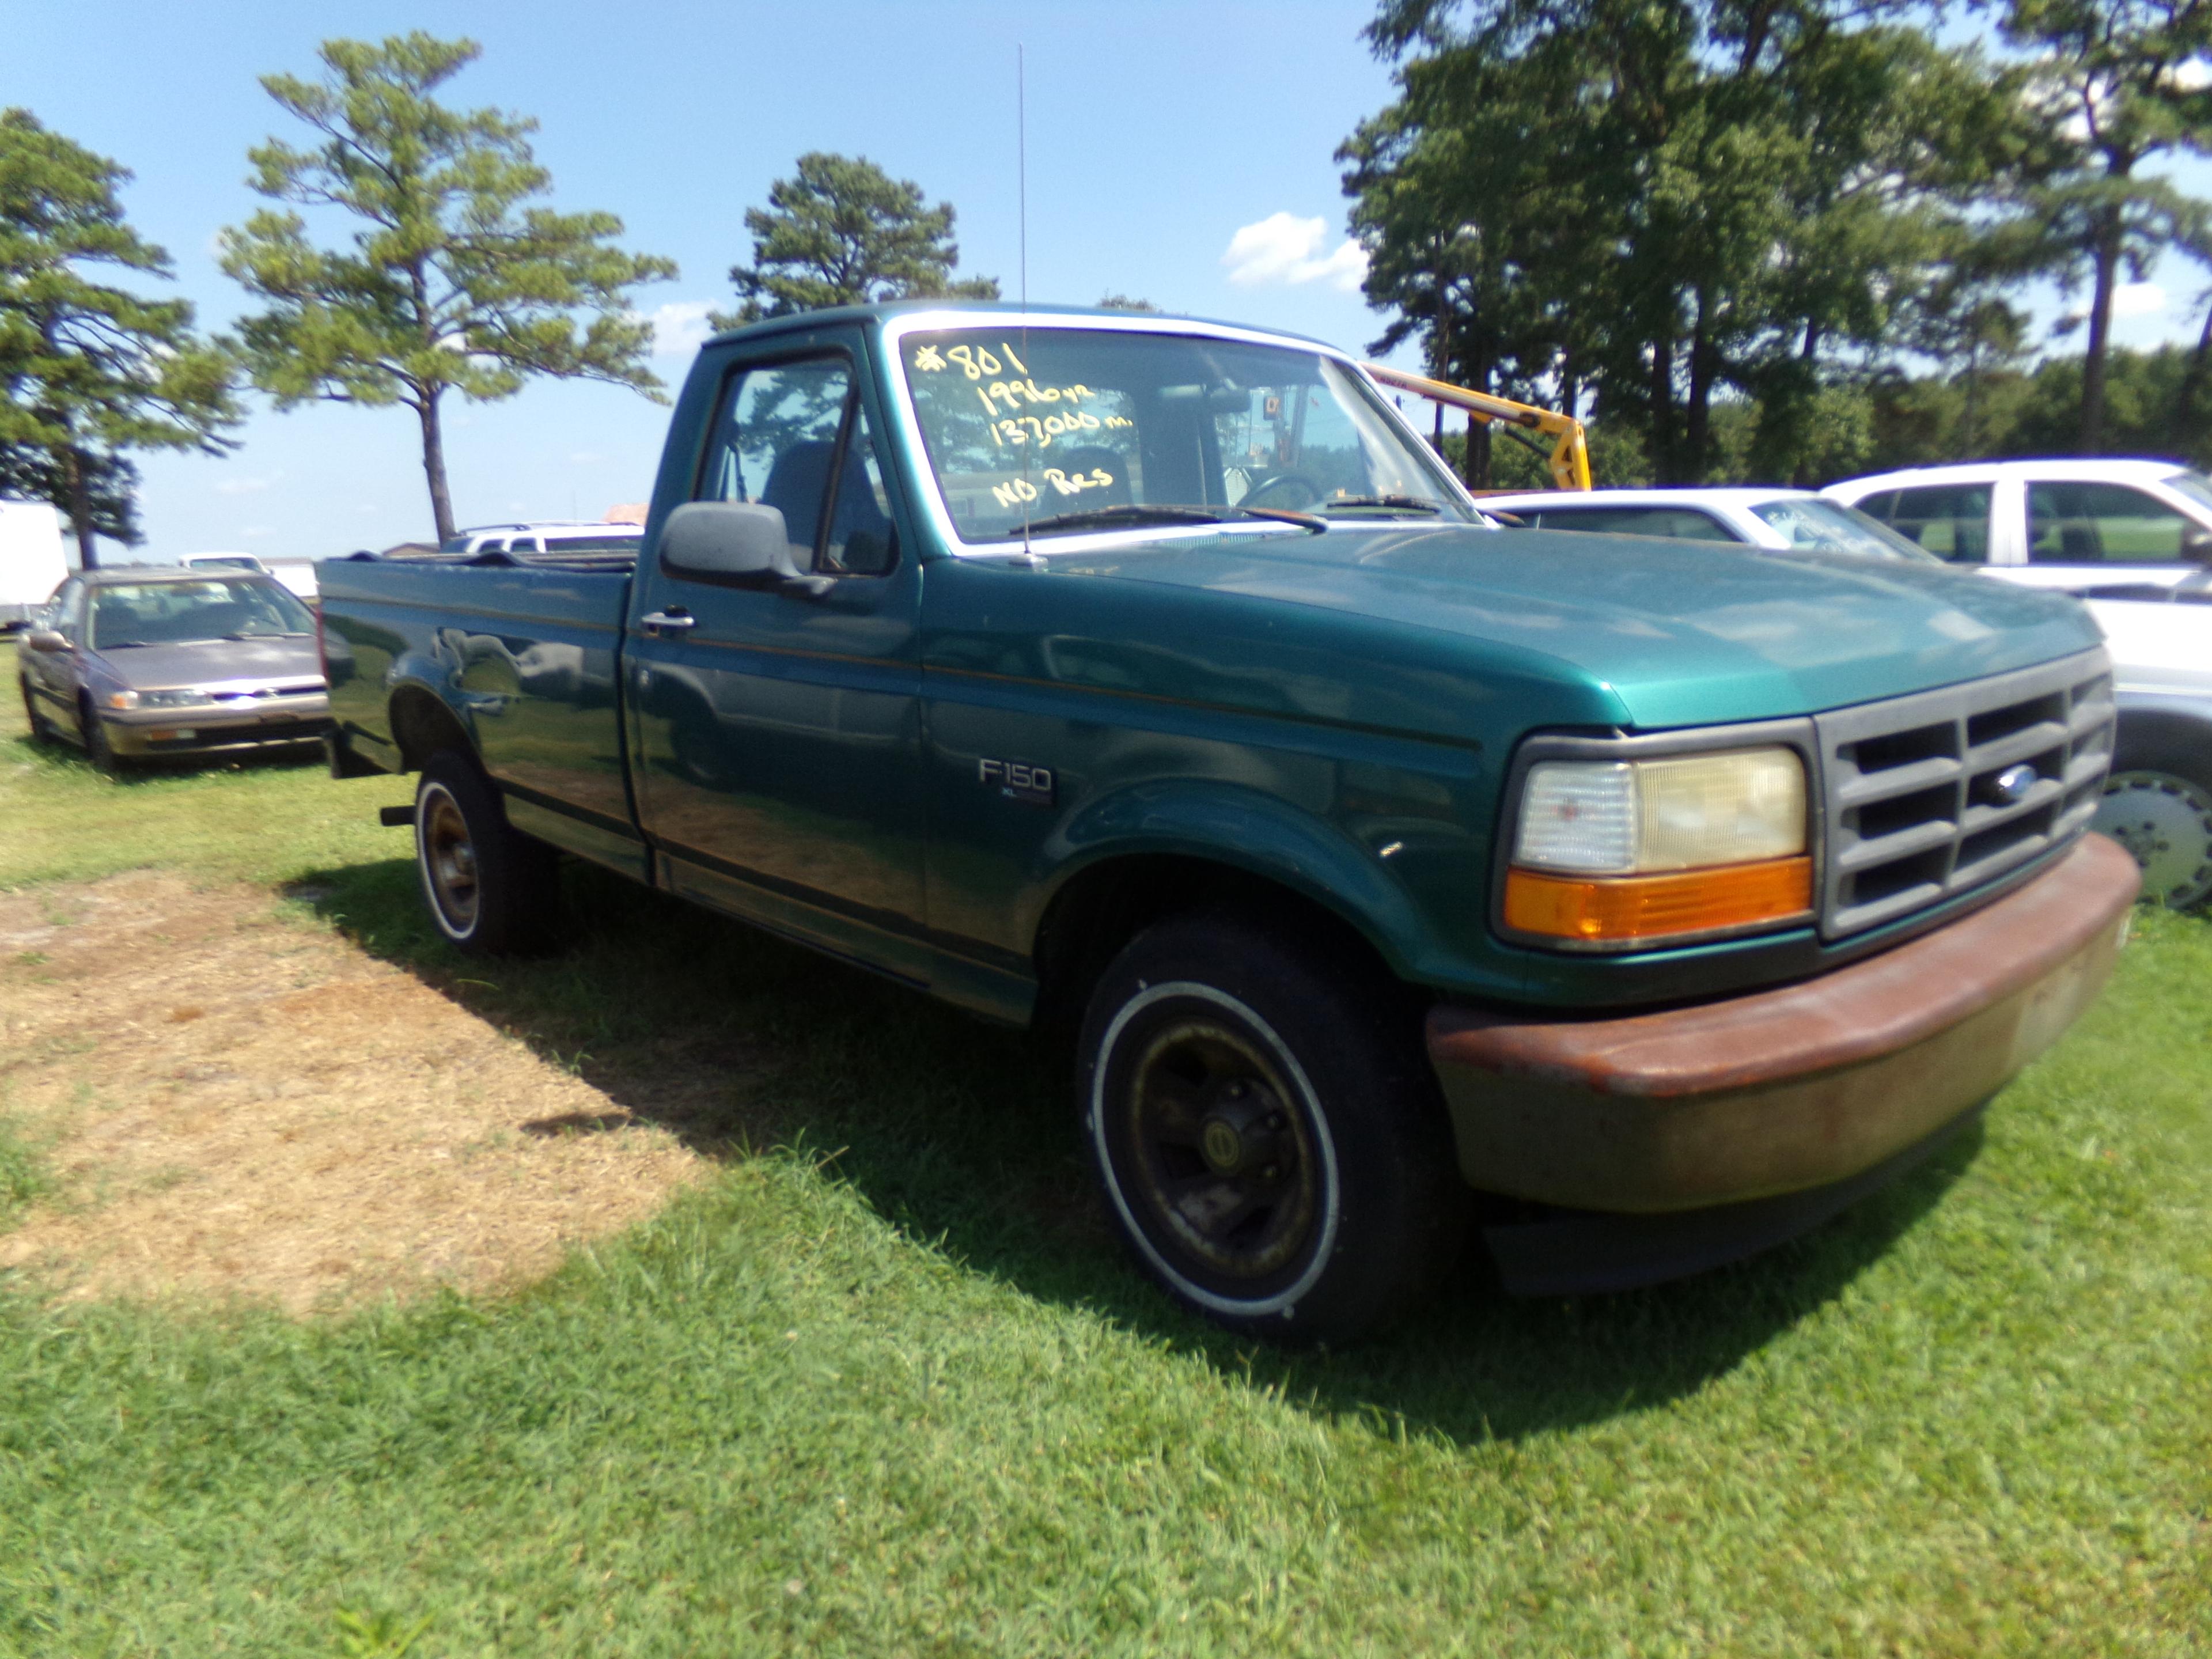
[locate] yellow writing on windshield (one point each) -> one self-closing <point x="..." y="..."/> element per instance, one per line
<point x="976" y="363"/>
<point x="1042" y="430"/>
<point x="1016" y="491"/>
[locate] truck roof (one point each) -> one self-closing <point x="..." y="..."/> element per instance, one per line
<point x="985" y="308"/>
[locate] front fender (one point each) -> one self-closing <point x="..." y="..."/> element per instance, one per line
<point x="1248" y="830"/>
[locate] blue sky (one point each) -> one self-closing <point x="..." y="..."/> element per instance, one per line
<point x="1183" y="153"/>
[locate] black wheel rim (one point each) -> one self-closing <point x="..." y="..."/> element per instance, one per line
<point x="449" y="859"/>
<point x="1220" y="1158"/>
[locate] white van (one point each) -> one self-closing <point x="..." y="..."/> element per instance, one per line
<point x="33" y="559"/>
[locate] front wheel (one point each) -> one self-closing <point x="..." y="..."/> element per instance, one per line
<point x="491" y="891"/>
<point x="2159" y="807"/>
<point x="1271" y="1142"/>
<point x="40" y="732"/>
<point x="96" y="745"/>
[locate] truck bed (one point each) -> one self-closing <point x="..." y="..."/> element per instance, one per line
<point x="528" y="649"/>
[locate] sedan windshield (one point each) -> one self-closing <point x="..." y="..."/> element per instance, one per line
<point x="1053" y="431"/>
<point x="1815" y="526"/>
<point x="174" y="613"/>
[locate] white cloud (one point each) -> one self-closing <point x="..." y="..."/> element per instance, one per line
<point x="257" y="530"/>
<point x="586" y="457"/>
<point x="2138" y="300"/>
<point x="1284" y="248"/>
<point x="247" y="485"/>
<point x="680" y="327"/>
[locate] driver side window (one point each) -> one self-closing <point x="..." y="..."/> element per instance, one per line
<point x="792" y="436"/>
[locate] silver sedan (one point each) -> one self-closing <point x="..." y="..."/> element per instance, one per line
<point x="135" y="664"/>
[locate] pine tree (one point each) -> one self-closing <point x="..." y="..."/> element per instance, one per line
<point x="89" y="371"/>
<point x="452" y="281"/>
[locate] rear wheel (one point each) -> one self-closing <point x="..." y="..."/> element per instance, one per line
<point x="1271" y="1141"/>
<point x="490" y="890"/>
<point x="2157" y="804"/>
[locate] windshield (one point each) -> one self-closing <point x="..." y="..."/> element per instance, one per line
<point x="2193" y="485"/>
<point x="1064" y="430"/>
<point x="1815" y="526"/>
<point x="173" y="613"/>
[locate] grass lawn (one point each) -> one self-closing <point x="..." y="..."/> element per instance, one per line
<point x="882" y="1386"/>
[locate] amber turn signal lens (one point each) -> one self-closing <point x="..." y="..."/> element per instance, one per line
<point x="1626" y="908"/>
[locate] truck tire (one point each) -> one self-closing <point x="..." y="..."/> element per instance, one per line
<point x="491" y="891"/>
<point x="1271" y="1141"/>
<point x="2157" y="804"/>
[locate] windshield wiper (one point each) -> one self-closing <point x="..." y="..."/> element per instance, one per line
<point x="1166" y="513"/>
<point x="293" y="633"/>
<point x="1393" y="503"/>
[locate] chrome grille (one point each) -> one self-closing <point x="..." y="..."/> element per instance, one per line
<point x="1914" y="812"/>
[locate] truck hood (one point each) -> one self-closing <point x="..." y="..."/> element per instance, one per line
<point x="1680" y="633"/>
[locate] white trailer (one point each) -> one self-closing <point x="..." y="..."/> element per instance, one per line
<point x="33" y="559"/>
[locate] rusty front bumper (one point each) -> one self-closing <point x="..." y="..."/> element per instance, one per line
<point x="1787" y="1090"/>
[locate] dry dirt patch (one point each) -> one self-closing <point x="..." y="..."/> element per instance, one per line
<point x="242" y="1102"/>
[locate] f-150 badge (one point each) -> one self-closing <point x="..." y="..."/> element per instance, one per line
<point x="1017" y="781"/>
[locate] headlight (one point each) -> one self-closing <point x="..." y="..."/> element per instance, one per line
<point x="185" y="699"/>
<point x="1625" y="852"/>
<point x="122" y="700"/>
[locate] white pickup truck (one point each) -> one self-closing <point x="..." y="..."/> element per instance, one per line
<point x="2133" y="538"/>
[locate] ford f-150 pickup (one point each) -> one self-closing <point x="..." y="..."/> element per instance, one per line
<point x="1395" y="875"/>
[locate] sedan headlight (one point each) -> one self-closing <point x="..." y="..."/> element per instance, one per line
<point x="122" y="700"/>
<point x="1625" y="852"/>
<point x="187" y="698"/>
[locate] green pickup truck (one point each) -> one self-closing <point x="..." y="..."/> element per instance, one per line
<point x="1396" y="877"/>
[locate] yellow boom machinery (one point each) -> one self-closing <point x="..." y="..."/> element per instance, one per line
<point x="1570" y="458"/>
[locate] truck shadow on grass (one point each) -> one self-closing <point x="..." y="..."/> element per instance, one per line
<point x="962" y="1133"/>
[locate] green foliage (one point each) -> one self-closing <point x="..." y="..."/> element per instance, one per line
<point x="1124" y="302"/>
<point x="2118" y="83"/>
<point x="841" y="231"/>
<point x="89" y="371"/>
<point x="1662" y="206"/>
<point x="452" y="280"/>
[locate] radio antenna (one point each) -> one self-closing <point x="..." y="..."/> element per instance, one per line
<point x="1022" y="160"/>
<point x="1022" y="201"/>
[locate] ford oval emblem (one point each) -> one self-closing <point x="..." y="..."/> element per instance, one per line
<point x="2013" y="783"/>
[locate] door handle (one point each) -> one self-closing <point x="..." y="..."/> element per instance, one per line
<point x="678" y="621"/>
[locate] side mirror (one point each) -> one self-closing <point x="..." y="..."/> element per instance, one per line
<point x="46" y="638"/>
<point x="730" y="539"/>
<point x="2197" y="544"/>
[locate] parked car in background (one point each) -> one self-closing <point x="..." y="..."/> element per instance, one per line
<point x="546" y="536"/>
<point x="141" y="662"/>
<point x="33" y="560"/>
<point x="298" y="575"/>
<point x="2158" y="801"/>
<point x="2065" y="523"/>
<point x="2133" y="538"/>
<point x="1778" y="520"/>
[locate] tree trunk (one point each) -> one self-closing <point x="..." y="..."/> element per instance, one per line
<point x="80" y="509"/>
<point x="1697" y="408"/>
<point x="1662" y="411"/>
<point x="1477" y="467"/>
<point x="2107" y="257"/>
<point x="433" y="466"/>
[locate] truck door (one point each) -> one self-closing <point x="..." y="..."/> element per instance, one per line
<point x="777" y="731"/>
